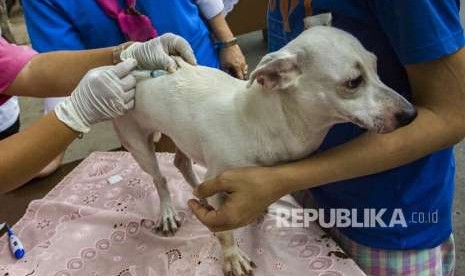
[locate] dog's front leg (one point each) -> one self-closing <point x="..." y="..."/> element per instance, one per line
<point x="236" y="262"/>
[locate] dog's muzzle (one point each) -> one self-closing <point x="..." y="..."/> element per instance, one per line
<point x="406" y="117"/>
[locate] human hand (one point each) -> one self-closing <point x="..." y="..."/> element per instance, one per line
<point x="248" y="192"/>
<point x="155" y="53"/>
<point x="104" y="93"/>
<point x="233" y="61"/>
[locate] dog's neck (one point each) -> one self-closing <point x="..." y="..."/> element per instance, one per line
<point x="298" y="128"/>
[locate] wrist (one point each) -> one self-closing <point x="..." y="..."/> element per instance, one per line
<point x="226" y="44"/>
<point x="69" y="129"/>
<point x="281" y="184"/>
<point x="220" y="28"/>
<point x="70" y="116"/>
<point x="118" y="52"/>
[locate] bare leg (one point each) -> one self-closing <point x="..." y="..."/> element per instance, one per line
<point x="141" y="145"/>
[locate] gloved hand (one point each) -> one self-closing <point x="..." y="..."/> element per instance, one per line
<point x="104" y="93"/>
<point x="155" y="54"/>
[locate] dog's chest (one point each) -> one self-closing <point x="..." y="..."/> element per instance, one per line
<point x="271" y="151"/>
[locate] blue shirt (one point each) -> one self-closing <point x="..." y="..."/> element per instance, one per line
<point x="83" y="24"/>
<point x="399" y="32"/>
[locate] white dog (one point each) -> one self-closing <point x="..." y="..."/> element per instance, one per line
<point x="293" y="98"/>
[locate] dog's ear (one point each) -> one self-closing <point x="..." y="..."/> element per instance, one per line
<point x="276" y="71"/>
<point x="324" y="19"/>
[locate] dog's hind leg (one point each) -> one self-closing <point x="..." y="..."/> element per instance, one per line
<point x="140" y="143"/>
<point x="184" y="165"/>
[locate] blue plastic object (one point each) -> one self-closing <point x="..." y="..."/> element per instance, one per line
<point x="16" y="247"/>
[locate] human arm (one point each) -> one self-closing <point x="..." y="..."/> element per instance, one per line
<point x="27" y="152"/>
<point x="104" y="93"/>
<point x="439" y="125"/>
<point x="56" y="74"/>
<point x="51" y="28"/>
<point x="232" y="59"/>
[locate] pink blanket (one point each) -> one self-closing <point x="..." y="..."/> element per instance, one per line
<point x="99" y="221"/>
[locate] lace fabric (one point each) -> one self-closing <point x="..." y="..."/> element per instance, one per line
<point x="100" y="221"/>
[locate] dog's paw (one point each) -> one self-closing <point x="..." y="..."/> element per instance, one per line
<point x="169" y="221"/>
<point x="236" y="263"/>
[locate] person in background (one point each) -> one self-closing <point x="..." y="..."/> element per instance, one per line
<point x="9" y="107"/>
<point x="88" y="24"/>
<point x="102" y="94"/>
<point x="421" y="55"/>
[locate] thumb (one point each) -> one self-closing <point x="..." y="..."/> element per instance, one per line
<point x="185" y="51"/>
<point x="122" y="69"/>
<point x="209" y="188"/>
<point x="208" y="216"/>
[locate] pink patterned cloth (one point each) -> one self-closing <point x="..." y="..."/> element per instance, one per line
<point x="100" y="221"/>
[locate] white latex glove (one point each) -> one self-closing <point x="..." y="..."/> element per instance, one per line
<point x="155" y="53"/>
<point x="104" y="93"/>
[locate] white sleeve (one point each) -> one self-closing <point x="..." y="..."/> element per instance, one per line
<point x="229" y="5"/>
<point x="210" y="8"/>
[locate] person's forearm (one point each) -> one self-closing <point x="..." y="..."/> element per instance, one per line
<point x="27" y="152"/>
<point x="220" y="28"/>
<point x="56" y="74"/>
<point x="368" y="154"/>
<point x="438" y="89"/>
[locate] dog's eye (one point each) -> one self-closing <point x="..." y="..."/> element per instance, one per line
<point x="354" y="83"/>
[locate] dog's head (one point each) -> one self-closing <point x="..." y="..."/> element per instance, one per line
<point x="329" y="70"/>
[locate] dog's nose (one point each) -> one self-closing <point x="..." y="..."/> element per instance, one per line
<point x="405" y="117"/>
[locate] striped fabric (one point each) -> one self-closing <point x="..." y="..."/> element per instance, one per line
<point x="438" y="261"/>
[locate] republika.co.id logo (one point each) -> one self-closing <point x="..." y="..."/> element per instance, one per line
<point x="356" y="218"/>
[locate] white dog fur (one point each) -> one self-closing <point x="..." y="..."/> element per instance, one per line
<point x="293" y="98"/>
